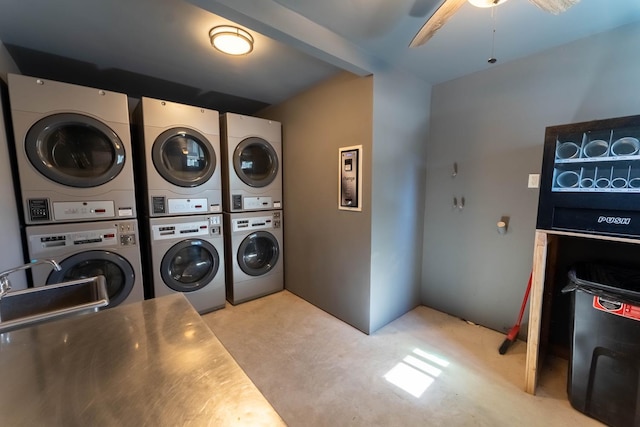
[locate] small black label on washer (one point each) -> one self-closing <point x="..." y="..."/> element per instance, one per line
<point x="158" y="205"/>
<point x="237" y="202"/>
<point x="39" y="209"/>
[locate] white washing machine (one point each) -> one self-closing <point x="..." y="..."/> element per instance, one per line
<point x="181" y="160"/>
<point x="73" y="147"/>
<point x="108" y="248"/>
<point x="252" y="167"/>
<point x="253" y="246"/>
<point x="187" y="255"/>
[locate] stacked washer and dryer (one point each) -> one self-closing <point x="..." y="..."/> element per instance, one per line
<point x="75" y="166"/>
<point x="73" y="150"/>
<point x="252" y="202"/>
<point x="181" y="193"/>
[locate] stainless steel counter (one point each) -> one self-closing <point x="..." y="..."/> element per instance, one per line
<point x="154" y="363"/>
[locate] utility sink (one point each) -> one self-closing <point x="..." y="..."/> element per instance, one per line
<point x="42" y="304"/>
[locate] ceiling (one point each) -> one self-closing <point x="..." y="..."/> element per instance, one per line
<point x="160" y="48"/>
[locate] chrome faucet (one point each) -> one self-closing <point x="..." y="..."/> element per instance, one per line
<point x="5" y="284"/>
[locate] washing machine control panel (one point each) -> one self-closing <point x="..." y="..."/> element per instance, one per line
<point x="262" y="203"/>
<point x="239" y="203"/>
<point x="161" y="205"/>
<point x="180" y="206"/>
<point x="123" y="234"/>
<point x="208" y="227"/>
<point x="257" y="223"/>
<point x="43" y="243"/>
<point x="72" y="211"/>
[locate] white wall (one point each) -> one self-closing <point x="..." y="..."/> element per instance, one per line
<point x="492" y="124"/>
<point x="400" y="128"/>
<point x="11" y="253"/>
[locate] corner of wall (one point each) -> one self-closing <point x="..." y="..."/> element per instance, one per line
<point x="327" y="251"/>
<point x="11" y="235"/>
<point x="492" y="124"/>
<point x="401" y="113"/>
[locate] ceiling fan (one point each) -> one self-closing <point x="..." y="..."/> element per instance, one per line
<point x="449" y="7"/>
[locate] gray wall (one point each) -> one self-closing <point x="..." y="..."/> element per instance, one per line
<point x="365" y="267"/>
<point x="327" y="251"/>
<point x="492" y="124"/>
<point x="400" y="127"/>
<point x="10" y="244"/>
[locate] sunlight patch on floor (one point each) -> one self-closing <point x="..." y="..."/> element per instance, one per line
<point x="416" y="372"/>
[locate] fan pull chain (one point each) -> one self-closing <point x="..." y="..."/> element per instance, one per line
<point x="492" y="59"/>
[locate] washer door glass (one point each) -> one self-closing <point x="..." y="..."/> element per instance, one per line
<point x="117" y="271"/>
<point x="189" y="265"/>
<point x="255" y="162"/>
<point x="258" y="253"/>
<point x="75" y="150"/>
<point x="183" y="157"/>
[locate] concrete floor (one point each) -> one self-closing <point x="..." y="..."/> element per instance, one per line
<point x="424" y="369"/>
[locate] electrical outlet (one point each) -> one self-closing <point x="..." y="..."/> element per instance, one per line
<point x="534" y="180"/>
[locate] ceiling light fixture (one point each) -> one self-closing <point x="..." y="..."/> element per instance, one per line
<point x="231" y="40"/>
<point x="486" y="3"/>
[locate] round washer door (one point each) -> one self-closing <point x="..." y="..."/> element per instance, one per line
<point x="75" y="150"/>
<point x="258" y="253"/>
<point x="189" y="265"/>
<point x="183" y="157"/>
<point x="255" y="162"/>
<point x="118" y="272"/>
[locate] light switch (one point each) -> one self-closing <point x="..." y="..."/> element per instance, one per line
<point x="534" y="180"/>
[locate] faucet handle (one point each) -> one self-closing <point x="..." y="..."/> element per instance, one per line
<point x="31" y="264"/>
<point x="5" y="285"/>
<point x="53" y="263"/>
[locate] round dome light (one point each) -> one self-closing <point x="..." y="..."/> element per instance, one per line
<point x="486" y="3"/>
<point x="231" y="40"/>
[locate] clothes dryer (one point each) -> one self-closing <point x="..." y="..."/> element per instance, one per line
<point x="73" y="146"/>
<point x="187" y="256"/>
<point x="181" y="160"/>
<point x="254" y="254"/>
<point x="108" y="248"/>
<point x="252" y="167"/>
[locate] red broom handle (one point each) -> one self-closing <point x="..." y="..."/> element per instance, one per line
<point x="526" y="298"/>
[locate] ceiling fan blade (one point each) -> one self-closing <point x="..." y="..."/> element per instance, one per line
<point x="554" y="6"/>
<point x="436" y="21"/>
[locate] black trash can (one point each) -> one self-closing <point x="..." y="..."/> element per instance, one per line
<point x="604" y="367"/>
